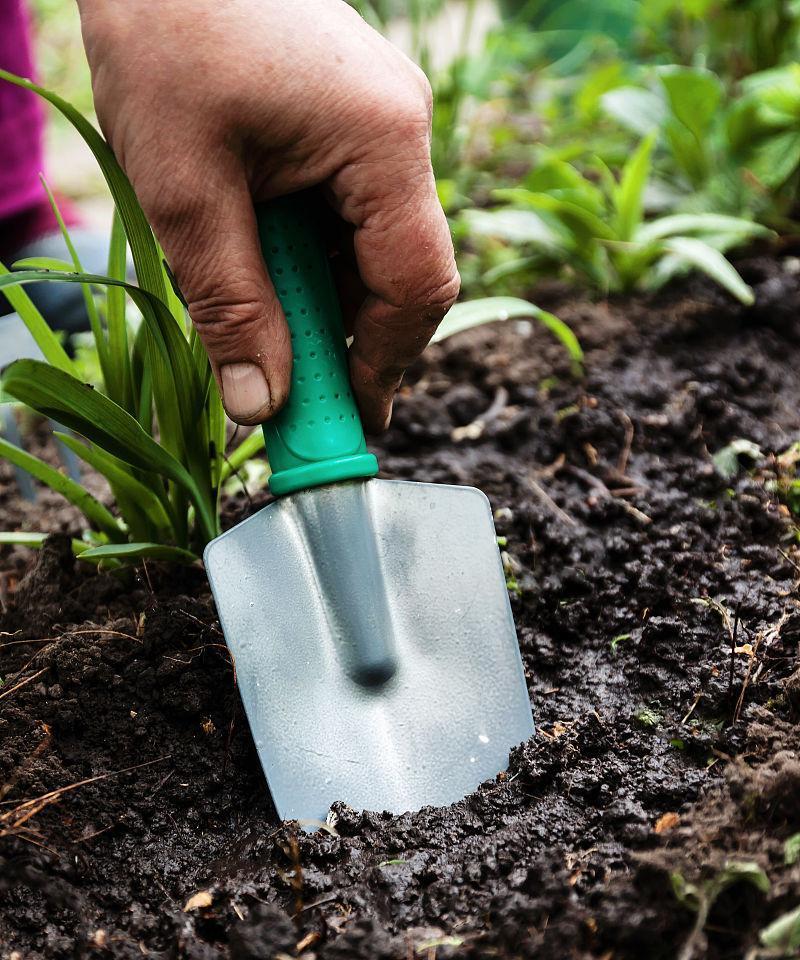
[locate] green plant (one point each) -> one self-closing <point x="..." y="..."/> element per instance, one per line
<point x="735" y="37"/>
<point x="596" y="228"/>
<point x="700" y="897"/>
<point x="154" y="425"/>
<point x="763" y="130"/>
<point x="783" y="935"/>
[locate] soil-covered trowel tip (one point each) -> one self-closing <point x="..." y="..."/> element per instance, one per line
<point x="375" y="648"/>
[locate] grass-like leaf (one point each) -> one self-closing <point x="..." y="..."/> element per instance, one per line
<point x="36" y="540"/>
<point x="464" y="316"/>
<point x="92" y="509"/>
<point x="139" y="551"/>
<point x="250" y="447"/>
<point x="147" y="513"/>
<point x="45" y="339"/>
<point x="695" y="253"/>
<point x="78" y="406"/>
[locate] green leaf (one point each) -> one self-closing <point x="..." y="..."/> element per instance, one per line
<point x="693" y="96"/>
<point x="783" y="934"/>
<point x="705" y="258"/>
<point x="41" y="263"/>
<point x="56" y="394"/>
<point x="92" y="509"/>
<point x="791" y="850"/>
<point x="681" y="224"/>
<point x="628" y="196"/>
<point x="120" y="387"/>
<point x="246" y="450"/>
<point x="88" y="295"/>
<point x="637" y="110"/>
<point x="579" y="218"/>
<point x="513" y="226"/>
<point x="726" y="460"/>
<point x="738" y="872"/>
<point x="139" y="551"/>
<point x="45" y="339"/>
<point x="464" y="316"/>
<point x="773" y="160"/>
<point x="135" y="499"/>
<point x="146" y="256"/>
<point x="36" y="541"/>
<point x="179" y="395"/>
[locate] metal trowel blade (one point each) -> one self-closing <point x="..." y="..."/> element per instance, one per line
<point x="374" y="645"/>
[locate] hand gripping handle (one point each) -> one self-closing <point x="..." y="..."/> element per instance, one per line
<point x="317" y="437"/>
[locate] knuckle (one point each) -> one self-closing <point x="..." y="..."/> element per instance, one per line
<point x="426" y="90"/>
<point x="444" y="292"/>
<point x="225" y="315"/>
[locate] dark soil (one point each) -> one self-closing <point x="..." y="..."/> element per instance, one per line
<point x="656" y="606"/>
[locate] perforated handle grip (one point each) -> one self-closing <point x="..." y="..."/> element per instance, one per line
<point x="317" y="437"/>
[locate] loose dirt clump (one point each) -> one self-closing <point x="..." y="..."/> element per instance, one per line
<point x="656" y="606"/>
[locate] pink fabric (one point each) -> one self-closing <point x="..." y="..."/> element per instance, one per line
<point x="21" y="116"/>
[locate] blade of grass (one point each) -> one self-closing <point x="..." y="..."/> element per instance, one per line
<point x="133" y="496"/>
<point x="120" y="389"/>
<point x="56" y="394"/>
<point x="628" y="195"/>
<point x="45" y="339"/>
<point x="139" y="551"/>
<point x="41" y="263"/>
<point x="176" y="385"/>
<point x="36" y="540"/>
<point x="464" y="316"/>
<point x="702" y="257"/>
<point x="88" y="295"/>
<point x="146" y="257"/>
<point x="246" y="450"/>
<point x="92" y="509"/>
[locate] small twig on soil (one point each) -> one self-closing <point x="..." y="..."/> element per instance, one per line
<point x="147" y="577"/>
<point x="22" y="683"/>
<point x="202" y="623"/>
<point x="13" y="779"/>
<point x="474" y="430"/>
<point x="597" y="484"/>
<point x="734" y="634"/>
<point x="552" y="468"/>
<point x="697" y="698"/>
<point x="240" y="478"/>
<point x="99" y="630"/>
<point x="788" y="559"/>
<point x="97" y="833"/>
<point x="13" y="821"/>
<point x="768" y="637"/>
<point x="317" y="903"/>
<point x="545" y="498"/>
<point x="624" y="455"/>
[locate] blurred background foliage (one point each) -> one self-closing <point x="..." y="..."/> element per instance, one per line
<point x="541" y="106"/>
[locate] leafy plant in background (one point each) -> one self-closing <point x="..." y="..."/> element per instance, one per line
<point x="763" y="130"/>
<point x="598" y="231"/>
<point x="733" y="37"/>
<point x="153" y="424"/>
<point x="730" y="154"/>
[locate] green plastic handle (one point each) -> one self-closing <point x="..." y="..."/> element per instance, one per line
<point x="317" y="437"/>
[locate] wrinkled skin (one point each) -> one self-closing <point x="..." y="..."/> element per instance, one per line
<point x="209" y="106"/>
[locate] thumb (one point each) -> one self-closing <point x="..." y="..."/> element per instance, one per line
<point x="212" y="246"/>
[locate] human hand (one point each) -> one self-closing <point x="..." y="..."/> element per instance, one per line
<point x="211" y="106"/>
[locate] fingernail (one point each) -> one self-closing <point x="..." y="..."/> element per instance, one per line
<point x="245" y="391"/>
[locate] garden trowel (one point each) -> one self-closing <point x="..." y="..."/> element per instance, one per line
<point x="369" y="619"/>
